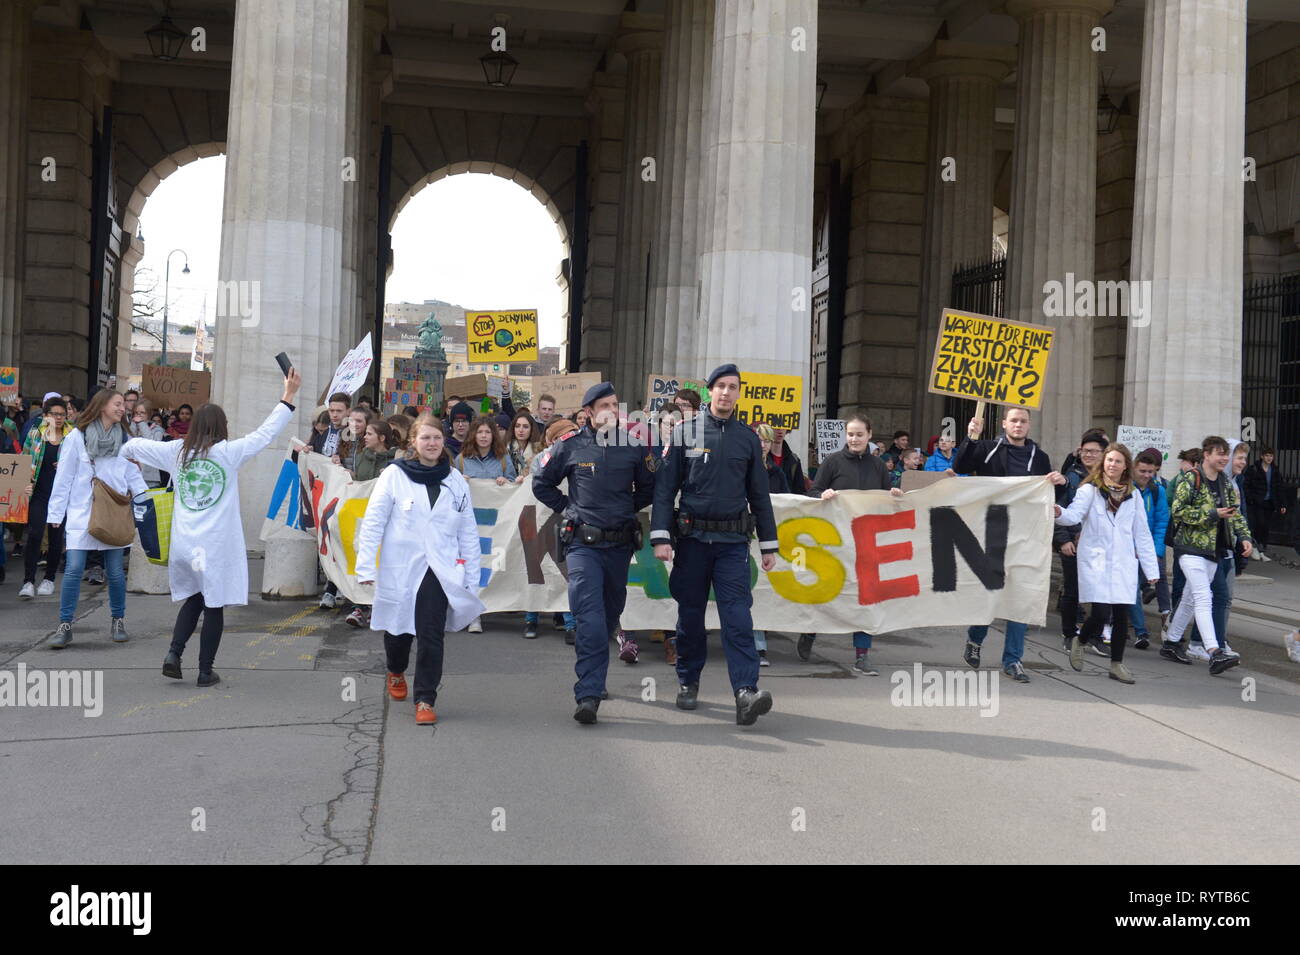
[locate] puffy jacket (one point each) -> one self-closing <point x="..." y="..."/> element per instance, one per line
<point x="609" y="480"/>
<point x="1195" y="519"/>
<point x="1155" y="498"/>
<point x="717" y="464"/>
<point x="937" y="462"/>
<point x="369" y="463"/>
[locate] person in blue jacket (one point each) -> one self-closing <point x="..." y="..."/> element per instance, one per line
<point x="1146" y="479"/>
<point x="716" y="462"/>
<point x="942" y="458"/>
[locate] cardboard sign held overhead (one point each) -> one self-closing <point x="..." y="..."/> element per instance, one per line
<point x="162" y="386"/>
<point x="466" y="386"/>
<point x="567" y="390"/>
<point x="8" y="385"/>
<point x="659" y="390"/>
<point x="776" y="399"/>
<point x="501" y="336"/>
<point x="15" y="475"/>
<point x="353" y="370"/>
<point x="990" y="359"/>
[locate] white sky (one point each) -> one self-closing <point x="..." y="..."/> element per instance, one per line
<point x="473" y="240"/>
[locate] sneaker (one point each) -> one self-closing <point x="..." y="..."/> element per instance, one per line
<point x="805" y="645"/>
<point x="1067" y="643"/>
<point x="586" y="711"/>
<point x="328" y="601"/>
<point x="1076" y="654"/>
<point x="1174" y="652"/>
<point x="1262" y="556"/>
<point x="628" y="650"/>
<point x="1148" y="595"/>
<point x="62" y="636"/>
<point x="45" y="588"/>
<point x="27" y="591"/>
<point x="358" y="618"/>
<point x="688" y="696"/>
<point x="1016" y="672"/>
<point x="117" y="630"/>
<point x="1228" y="650"/>
<point x="94" y="576"/>
<point x="397" y="686"/>
<point x="172" y="666"/>
<point x="751" y="703"/>
<point x="1119" y="671"/>
<point x="670" y="651"/>
<point x="570" y="635"/>
<point x="762" y="659"/>
<point x="1142" y="642"/>
<point x="862" y="668"/>
<point x="475" y="627"/>
<point x="1197" y="651"/>
<point x="1220" y="661"/>
<point x="557" y="620"/>
<point x="424" y="714"/>
<point x="1099" y="647"/>
<point x="971" y="655"/>
<point x="530" y="630"/>
<point x="1256" y="555"/>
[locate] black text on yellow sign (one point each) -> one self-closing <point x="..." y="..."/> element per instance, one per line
<point x="774" y="399"/>
<point x="501" y="336"/>
<point x="990" y="359"/>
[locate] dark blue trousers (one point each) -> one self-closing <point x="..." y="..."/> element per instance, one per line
<point x="597" y="594"/>
<point x="725" y="567"/>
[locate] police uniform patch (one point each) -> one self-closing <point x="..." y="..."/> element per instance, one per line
<point x="569" y="434"/>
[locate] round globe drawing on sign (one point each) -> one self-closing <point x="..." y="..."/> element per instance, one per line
<point x="200" y="484"/>
<point x="503" y="337"/>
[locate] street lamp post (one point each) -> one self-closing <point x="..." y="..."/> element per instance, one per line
<point x="166" y="287"/>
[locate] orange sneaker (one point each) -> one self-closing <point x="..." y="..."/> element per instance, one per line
<point x="424" y="713"/>
<point x="397" y="686"/>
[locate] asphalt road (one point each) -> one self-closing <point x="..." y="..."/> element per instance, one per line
<point x="275" y="765"/>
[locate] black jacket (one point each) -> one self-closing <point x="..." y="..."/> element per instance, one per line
<point x="792" y="468"/>
<point x="776" y="482"/>
<point x="717" y="464"/>
<point x="609" y="480"/>
<point x="846" y="471"/>
<point x="1065" y="533"/>
<point x="987" y="458"/>
<point x="1256" y="482"/>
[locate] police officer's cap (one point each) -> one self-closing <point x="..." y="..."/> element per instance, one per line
<point x="721" y="372"/>
<point x="596" y="392"/>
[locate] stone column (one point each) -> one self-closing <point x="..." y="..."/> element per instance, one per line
<point x="963" y="80"/>
<point x="1183" y="365"/>
<point x="1053" y="198"/>
<point x="756" y="264"/>
<point x="15" y="29"/>
<point x="282" y="221"/>
<point x="675" y="245"/>
<point x="642" y="45"/>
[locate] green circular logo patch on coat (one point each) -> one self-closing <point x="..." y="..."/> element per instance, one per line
<point x="200" y="484"/>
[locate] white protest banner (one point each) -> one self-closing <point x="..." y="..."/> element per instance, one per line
<point x="1138" y="440"/>
<point x="960" y="552"/>
<point x="352" y="370"/>
<point x="830" y="436"/>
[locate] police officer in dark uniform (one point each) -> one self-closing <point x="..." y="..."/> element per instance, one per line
<point x="717" y="464"/>
<point x="609" y="481"/>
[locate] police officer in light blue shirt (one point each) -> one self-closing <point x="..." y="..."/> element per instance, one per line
<point x="716" y="462"/>
<point x="609" y="480"/>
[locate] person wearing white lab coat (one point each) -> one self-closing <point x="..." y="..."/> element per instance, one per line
<point x="419" y="545"/>
<point x="207" y="566"/>
<point x="89" y="452"/>
<point x="1115" y="538"/>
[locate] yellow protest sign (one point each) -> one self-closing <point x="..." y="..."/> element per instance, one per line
<point x="776" y="399"/>
<point x="501" y="336"/>
<point x="990" y="359"/>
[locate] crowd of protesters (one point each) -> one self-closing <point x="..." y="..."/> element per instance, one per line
<point x="1116" y="518"/>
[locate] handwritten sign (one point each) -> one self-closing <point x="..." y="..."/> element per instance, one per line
<point x="466" y="386"/>
<point x="162" y="386"/>
<point x="1138" y="440"/>
<point x="567" y="390"/>
<point x="776" y="399"/>
<point x="352" y="370"/>
<point x="659" y="390"/>
<point x="990" y="359"/>
<point x="501" y="336"/>
<point x="830" y="436"/>
<point x="15" y="475"/>
<point x="8" y="385"/>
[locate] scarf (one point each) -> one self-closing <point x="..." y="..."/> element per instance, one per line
<point x="430" y="478"/>
<point x="101" y="442"/>
<point x="1116" y="494"/>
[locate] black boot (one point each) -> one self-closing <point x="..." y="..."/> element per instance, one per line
<point x="751" y="703"/>
<point x="209" y="679"/>
<point x="688" y="696"/>
<point x="586" y="711"/>
<point x="172" y="665"/>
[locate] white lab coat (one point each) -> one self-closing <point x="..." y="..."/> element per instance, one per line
<point x="1111" y="546"/>
<point x="207" y="545"/>
<point x="71" y="495"/>
<point x="416" y="538"/>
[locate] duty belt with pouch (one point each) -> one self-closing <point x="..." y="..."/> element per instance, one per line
<point x="688" y="524"/>
<point x="575" y="531"/>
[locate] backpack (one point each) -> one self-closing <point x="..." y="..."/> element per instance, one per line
<point x="1172" y="531"/>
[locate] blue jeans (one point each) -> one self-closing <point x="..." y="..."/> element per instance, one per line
<point x="861" y="640"/>
<point x="75" y="566"/>
<point x="725" y="566"/>
<point x="1013" y="648"/>
<point x="532" y="616"/>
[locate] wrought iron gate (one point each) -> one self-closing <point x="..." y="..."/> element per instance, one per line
<point x="979" y="288"/>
